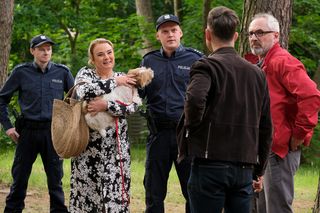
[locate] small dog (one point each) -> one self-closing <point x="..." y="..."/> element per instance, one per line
<point x="121" y="94"/>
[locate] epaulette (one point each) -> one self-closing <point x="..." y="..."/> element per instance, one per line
<point x="151" y="52"/>
<point x="194" y="51"/>
<point x="63" y="66"/>
<point x="22" y="65"/>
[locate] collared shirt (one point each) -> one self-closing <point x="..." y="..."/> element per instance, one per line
<point x="165" y="94"/>
<point x="36" y="90"/>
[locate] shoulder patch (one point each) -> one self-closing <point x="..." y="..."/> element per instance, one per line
<point x="63" y="66"/>
<point x="194" y="51"/>
<point x="151" y="52"/>
<point x="22" y="65"/>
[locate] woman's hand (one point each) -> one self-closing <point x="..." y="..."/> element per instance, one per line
<point x="97" y="105"/>
<point x="126" y="80"/>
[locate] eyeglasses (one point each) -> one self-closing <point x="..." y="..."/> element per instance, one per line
<point x="259" y="33"/>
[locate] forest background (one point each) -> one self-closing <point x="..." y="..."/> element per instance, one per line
<point x="130" y="25"/>
<point x="72" y="24"/>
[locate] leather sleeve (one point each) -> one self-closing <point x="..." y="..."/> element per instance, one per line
<point x="197" y="94"/>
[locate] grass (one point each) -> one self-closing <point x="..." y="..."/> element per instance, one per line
<point x="306" y="181"/>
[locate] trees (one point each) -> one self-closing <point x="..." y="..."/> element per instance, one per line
<point x="205" y="9"/>
<point x="6" y="20"/>
<point x="72" y="24"/>
<point x="144" y="10"/>
<point x="304" y="40"/>
<point x="177" y="5"/>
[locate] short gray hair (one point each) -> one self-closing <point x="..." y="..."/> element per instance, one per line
<point x="272" y="22"/>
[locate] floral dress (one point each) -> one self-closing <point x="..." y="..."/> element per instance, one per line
<point x="100" y="176"/>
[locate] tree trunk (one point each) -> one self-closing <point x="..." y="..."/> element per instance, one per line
<point x="177" y="4"/>
<point x="206" y="8"/>
<point x="316" y="208"/>
<point x="144" y="10"/>
<point x="73" y="36"/>
<point x="281" y="9"/>
<point x="6" y="21"/>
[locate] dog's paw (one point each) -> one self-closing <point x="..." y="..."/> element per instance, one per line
<point x="103" y="132"/>
<point x="137" y="100"/>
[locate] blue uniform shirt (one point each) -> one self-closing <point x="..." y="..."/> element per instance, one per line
<point x="165" y="94"/>
<point x="36" y="90"/>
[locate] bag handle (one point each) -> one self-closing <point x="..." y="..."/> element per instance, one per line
<point x="70" y="93"/>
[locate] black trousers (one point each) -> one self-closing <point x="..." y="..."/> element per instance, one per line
<point x="35" y="138"/>
<point x="162" y="152"/>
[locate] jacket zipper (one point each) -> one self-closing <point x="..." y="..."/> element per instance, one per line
<point x="207" y="145"/>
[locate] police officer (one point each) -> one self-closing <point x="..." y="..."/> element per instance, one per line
<point x="37" y="83"/>
<point x="165" y="100"/>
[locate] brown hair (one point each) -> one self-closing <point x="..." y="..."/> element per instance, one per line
<point x="223" y="22"/>
<point x="92" y="46"/>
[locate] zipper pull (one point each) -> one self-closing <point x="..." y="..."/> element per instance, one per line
<point x="187" y="133"/>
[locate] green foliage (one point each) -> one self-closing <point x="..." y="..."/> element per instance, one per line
<point x="5" y="142"/>
<point x="91" y="19"/>
<point x="192" y="20"/>
<point x="117" y="21"/>
<point x="311" y="154"/>
<point x="304" y="40"/>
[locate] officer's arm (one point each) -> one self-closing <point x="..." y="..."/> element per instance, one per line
<point x="6" y="94"/>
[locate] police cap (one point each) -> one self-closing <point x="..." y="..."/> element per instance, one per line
<point x="40" y="39"/>
<point x="166" y="18"/>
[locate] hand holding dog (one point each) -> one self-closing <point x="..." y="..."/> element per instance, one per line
<point x="97" y="105"/>
<point x="126" y="80"/>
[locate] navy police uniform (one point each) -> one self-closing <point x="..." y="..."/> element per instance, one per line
<point x="165" y="100"/>
<point x="36" y="91"/>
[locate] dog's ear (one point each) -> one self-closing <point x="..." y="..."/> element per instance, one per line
<point x="145" y="77"/>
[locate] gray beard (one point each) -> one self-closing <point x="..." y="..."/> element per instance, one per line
<point x="258" y="51"/>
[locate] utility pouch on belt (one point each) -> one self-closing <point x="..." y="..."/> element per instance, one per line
<point x="150" y="121"/>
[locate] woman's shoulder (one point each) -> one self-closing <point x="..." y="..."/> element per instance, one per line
<point x="86" y="72"/>
<point x="86" y="69"/>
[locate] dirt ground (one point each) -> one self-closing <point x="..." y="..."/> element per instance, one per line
<point x="38" y="202"/>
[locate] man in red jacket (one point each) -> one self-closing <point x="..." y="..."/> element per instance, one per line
<point x="294" y="102"/>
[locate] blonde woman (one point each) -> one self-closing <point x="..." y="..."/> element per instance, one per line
<point x="100" y="176"/>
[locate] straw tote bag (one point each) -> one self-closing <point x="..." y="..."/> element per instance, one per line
<point x="69" y="130"/>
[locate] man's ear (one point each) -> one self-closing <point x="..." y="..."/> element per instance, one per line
<point x="157" y="36"/>
<point x="235" y="36"/>
<point x="31" y="51"/>
<point x="181" y="33"/>
<point x="208" y="35"/>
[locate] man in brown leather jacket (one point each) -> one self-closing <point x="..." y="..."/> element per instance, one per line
<point x="227" y="126"/>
